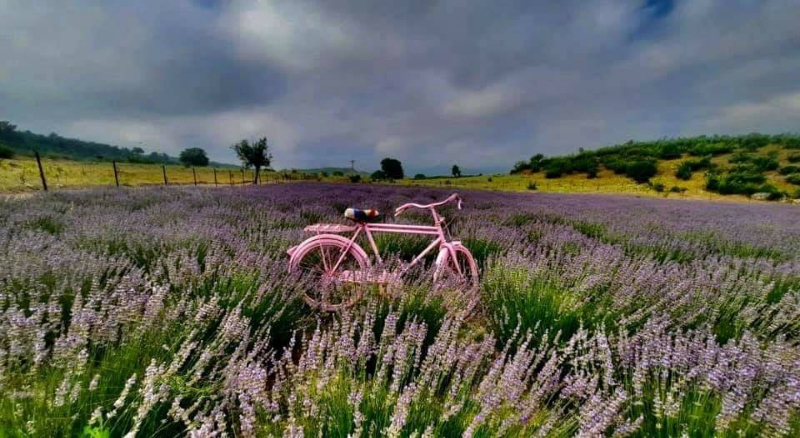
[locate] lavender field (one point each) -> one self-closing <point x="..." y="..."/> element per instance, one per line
<point x="170" y="311"/>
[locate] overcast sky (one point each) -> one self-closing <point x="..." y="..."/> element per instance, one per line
<point x="478" y="83"/>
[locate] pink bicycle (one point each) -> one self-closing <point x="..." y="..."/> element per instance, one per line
<point x="339" y="264"/>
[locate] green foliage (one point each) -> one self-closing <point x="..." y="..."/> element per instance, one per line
<point x="552" y="173"/>
<point x="670" y="151"/>
<point x="795" y="158"/>
<point x="641" y="171"/>
<point x="741" y="182"/>
<point x="194" y="157"/>
<point x="688" y="167"/>
<point x="713" y="149"/>
<point x="54" y="145"/>
<point x="519" y="166"/>
<point x="793" y="179"/>
<point x="684" y="171"/>
<point x="378" y="175"/>
<point x="518" y="302"/>
<point x="419" y="176"/>
<point x="392" y="168"/>
<point x="532" y="185"/>
<point x="95" y="432"/>
<point x="659" y="187"/>
<point x="6" y="152"/>
<point x="356" y="178"/>
<point x="787" y="170"/>
<point x="456" y="171"/>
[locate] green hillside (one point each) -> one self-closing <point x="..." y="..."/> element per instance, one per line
<point x="765" y="166"/>
<point x="24" y="143"/>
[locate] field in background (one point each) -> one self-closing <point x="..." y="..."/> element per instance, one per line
<point x="22" y="175"/>
<point x="608" y="182"/>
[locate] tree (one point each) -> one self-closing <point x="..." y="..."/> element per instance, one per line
<point x="8" y="131"/>
<point x="194" y="157"/>
<point x="254" y="154"/>
<point x="6" y="152"/>
<point x="456" y="171"/>
<point x="392" y="168"/>
<point x="138" y="151"/>
<point x="378" y="175"/>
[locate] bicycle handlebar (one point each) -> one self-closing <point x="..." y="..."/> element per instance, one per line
<point x="404" y="207"/>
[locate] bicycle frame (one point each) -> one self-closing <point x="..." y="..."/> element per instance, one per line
<point x="424" y="230"/>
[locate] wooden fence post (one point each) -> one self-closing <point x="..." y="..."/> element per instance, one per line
<point x="116" y="177"/>
<point x="164" y="171"/>
<point x="194" y="176"/>
<point x="215" y="177"/>
<point x="41" y="170"/>
<point x="230" y="176"/>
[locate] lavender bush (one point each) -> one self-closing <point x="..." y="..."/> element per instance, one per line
<point x="170" y="312"/>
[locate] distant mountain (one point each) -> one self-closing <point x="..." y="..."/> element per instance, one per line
<point x="445" y="170"/>
<point x="328" y="170"/>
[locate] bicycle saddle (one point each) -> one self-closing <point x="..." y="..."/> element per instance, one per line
<point x="368" y="215"/>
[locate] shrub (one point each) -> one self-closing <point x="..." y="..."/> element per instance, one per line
<point x="702" y="150"/>
<point x="6" y="152"/>
<point x="641" y="171"/>
<point x="670" y="151"/>
<point x="338" y="173"/>
<point x="355" y="178"/>
<point x="684" y="171"/>
<point x="794" y="158"/>
<point x="793" y="179"/>
<point x="519" y="166"/>
<point x="532" y="185"/>
<point x="740" y="157"/>
<point x="677" y="189"/>
<point x="552" y="173"/>
<point x="378" y="175"/>
<point x="789" y="170"/>
<point x="616" y="165"/>
<point x="791" y="143"/>
<point x="419" y="176"/>
<point x="765" y="163"/>
<point x="659" y="187"/>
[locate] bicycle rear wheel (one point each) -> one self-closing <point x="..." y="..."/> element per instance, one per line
<point x="335" y="273"/>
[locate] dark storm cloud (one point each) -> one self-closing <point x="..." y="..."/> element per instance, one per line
<point x="429" y="82"/>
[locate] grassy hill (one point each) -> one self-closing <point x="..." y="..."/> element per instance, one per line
<point x="751" y="165"/>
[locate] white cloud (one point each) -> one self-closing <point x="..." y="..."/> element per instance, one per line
<point x="291" y="34"/>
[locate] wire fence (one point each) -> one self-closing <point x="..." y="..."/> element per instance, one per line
<point x="43" y="174"/>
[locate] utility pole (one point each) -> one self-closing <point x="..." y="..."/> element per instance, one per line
<point x="353" y="165"/>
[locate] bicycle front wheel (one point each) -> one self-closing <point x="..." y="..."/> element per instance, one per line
<point x="459" y="266"/>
